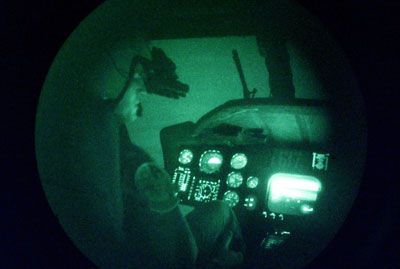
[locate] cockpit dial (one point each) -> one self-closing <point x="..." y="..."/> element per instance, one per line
<point x="185" y="156"/>
<point x="211" y="161"/>
<point x="231" y="198"/>
<point x="234" y="180"/>
<point x="239" y="161"/>
<point x="252" y="182"/>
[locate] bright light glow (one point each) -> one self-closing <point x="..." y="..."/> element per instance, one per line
<point x="292" y="181"/>
<point x="307" y="209"/>
<point x="279" y="193"/>
<point x="292" y="194"/>
<point x="214" y="160"/>
<point x="250" y="202"/>
<point x="211" y="161"/>
<point x="299" y="182"/>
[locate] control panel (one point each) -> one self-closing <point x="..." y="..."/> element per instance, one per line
<point x="267" y="187"/>
<point x="203" y="174"/>
<point x="247" y="179"/>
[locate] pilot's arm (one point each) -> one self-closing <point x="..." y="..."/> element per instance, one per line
<point x="167" y="237"/>
<point x="156" y="232"/>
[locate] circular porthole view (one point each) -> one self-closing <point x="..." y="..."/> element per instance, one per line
<point x="195" y="135"/>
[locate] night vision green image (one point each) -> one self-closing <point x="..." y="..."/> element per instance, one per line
<point x="200" y="135"/>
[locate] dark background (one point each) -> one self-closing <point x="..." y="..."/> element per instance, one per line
<point x="33" y="32"/>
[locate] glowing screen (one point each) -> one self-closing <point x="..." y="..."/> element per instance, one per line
<point x="292" y="194"/>
<point x="206" y="190"/>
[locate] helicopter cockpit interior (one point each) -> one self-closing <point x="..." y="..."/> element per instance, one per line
<point x="287" y="163"/>
<point x="272" y="125"/>
<point x="280" y="162"/>
<point x="267" y="160"/>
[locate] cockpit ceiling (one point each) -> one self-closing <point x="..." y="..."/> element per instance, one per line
<point x="189" y="19"/>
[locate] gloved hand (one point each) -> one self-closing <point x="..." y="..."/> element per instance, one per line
<point x="155" y="187"/>
<point x="161" y="78"/>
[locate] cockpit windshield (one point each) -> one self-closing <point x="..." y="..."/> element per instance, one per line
<point x="259" y="122"/>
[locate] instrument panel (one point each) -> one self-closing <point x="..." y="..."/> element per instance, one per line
<point x="203" y="174"/>
<point x="248" y="179"/>
<point x="268" y="187"/>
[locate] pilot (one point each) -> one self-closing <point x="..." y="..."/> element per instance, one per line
<point x="115" y="204"/>
<point x="155" y="231"/>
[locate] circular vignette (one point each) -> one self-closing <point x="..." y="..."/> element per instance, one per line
<point x="91" y="67"/>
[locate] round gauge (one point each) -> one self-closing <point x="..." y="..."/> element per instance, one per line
<point x="231" y="198"/>
<point x="238" y="161"/>
<point x="252" y="182"/>
<point x="185" y="156"/>
<point x="210" y="161"/>
<point x="234" y="180"/>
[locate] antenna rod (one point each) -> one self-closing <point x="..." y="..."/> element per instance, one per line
<point x="246" y="92"/>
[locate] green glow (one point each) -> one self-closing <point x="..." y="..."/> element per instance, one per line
<point x="211" y="161"/>
<point x="320" y="161"/>
<point x="231" y="198"/>
<point x="239" y="161"/>
<point x="279" y="194"/>
<point x="292" y="194"/>
<point x="181" y="177"/>
<point x="307" y="209"/>
<point x="281" y="181"/>
<point x="234" y="180"/>
<point x="206" y="190"/>
<point x="214" y="160"/>
<point x="250" y="202"/>
<point x="76" y="152"/>
<point x="252" y="182"/>
<point x="185" y="156"/>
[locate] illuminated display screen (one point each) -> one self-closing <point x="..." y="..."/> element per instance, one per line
<point x="206" y="190"/>
<point x="293" y="194"/>
<point x="210" y="161"/>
